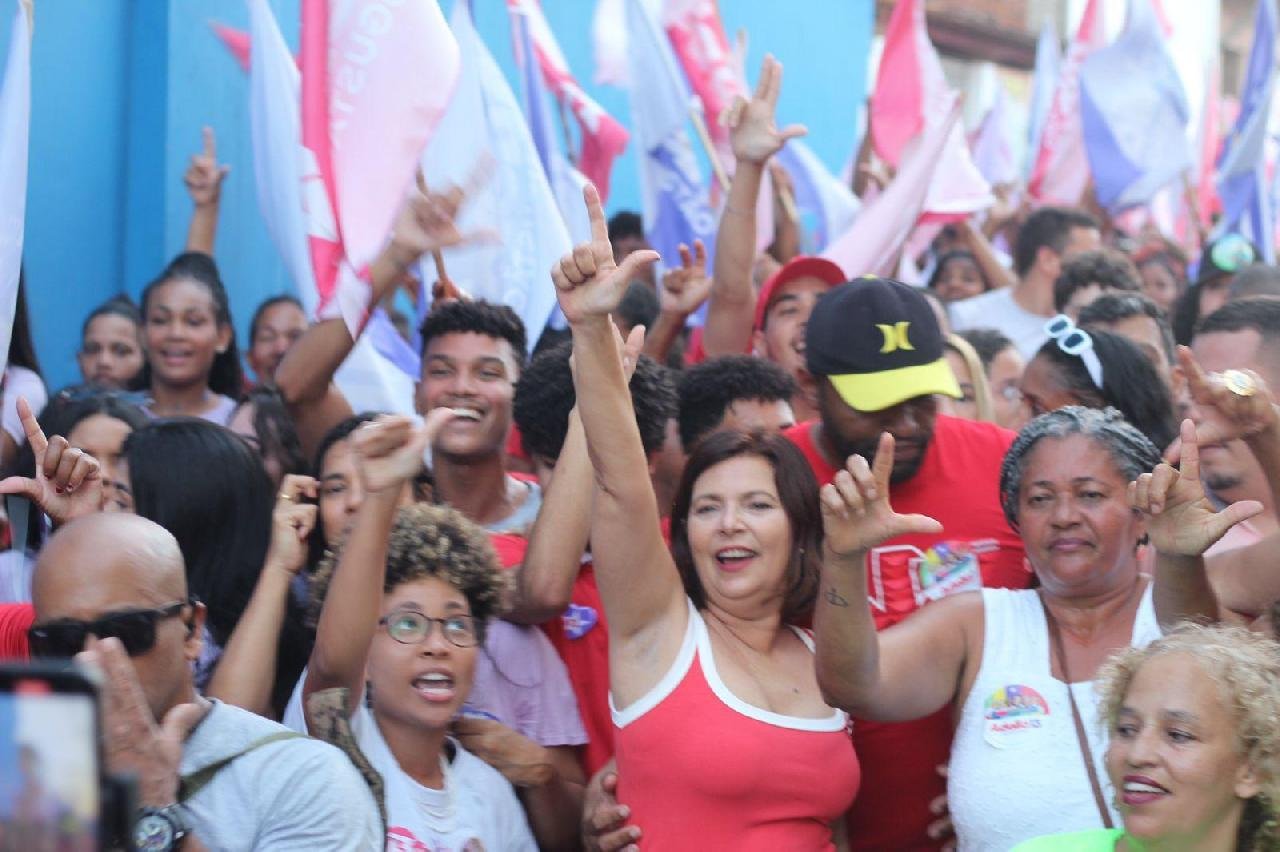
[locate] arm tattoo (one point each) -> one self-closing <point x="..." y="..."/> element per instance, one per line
<point x="835" y="598"/>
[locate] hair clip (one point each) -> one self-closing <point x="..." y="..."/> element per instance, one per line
<point x="1074" y="340"/>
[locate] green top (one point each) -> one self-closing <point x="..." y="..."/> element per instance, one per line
<point x="1097" y="840"/>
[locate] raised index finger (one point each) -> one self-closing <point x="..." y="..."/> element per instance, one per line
<point x="1189" y="463"/>
<point x="210" y="143"/>
<point x="769" y="84"/>
<point x="35" y="435"/>
<point x="595" y="213"/>
<point x="1197" y="381"/>
<point x="882" y="465"/>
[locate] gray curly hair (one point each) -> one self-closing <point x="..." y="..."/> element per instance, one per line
<point x="1245" y="666"/>
<point x="1132" y="452"/>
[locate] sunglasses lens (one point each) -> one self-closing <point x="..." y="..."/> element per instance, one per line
<point x="56" y="641"/>
<point x="135" y="630"/>
<point x="1057" y="326"/>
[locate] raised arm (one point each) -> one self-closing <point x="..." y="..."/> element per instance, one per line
<point x="389" y="453"/>
<point x="204" y="184"/>
<point x="638" y="581"/>
<point x="911" y="669"/>
<point x="984" y="254"/>
<point x="305" y="376"/>
<point x="246" y="671"/>
<point x="1181" y="525"/>
<point x="755" y="138"/>
<point x="544" y="581"/>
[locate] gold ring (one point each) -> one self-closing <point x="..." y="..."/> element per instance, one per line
<point x="291" y="498"/>
<point x="1239" y="383"/>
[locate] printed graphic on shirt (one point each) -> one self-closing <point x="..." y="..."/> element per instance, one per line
<point x="1014" y="716"/>
<point x="578" y="620"/>
<point x="401" y="839"/>
<point x="904" y="578"/>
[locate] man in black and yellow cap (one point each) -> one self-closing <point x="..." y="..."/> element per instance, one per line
<point x="875" y="351"/>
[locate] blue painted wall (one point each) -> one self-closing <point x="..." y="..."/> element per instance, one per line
<point x="121" y="89"/>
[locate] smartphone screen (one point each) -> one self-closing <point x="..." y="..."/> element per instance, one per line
<point x="50" y="779"/>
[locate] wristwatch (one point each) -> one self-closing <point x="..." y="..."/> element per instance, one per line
<point x="161" y="829"/>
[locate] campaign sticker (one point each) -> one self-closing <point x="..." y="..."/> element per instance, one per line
<point x="578" y="620"/>
<point x="1014" y="716"/>
<point x="949" y="568"/>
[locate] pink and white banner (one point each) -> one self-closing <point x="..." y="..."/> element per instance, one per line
<point x="698" y="38"/>
<point x="376" y="77"/>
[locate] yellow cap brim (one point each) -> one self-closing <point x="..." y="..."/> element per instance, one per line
<point x="878" y="391"/>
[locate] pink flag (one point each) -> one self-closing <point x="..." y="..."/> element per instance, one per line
<point x="236" y="41"/>
<point x="912" y="95"/>
<point x="698" y="39"/>
<point x="376" y="78"/>
<point x="1061" y="170"/>
<point x="603" y="137"/>
<point x="885" y="222"/>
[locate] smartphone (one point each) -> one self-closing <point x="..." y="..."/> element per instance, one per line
<point x="50" y="759"/>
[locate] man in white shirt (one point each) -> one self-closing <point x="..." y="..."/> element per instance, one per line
<point x="210" y="776"/>
<point x="1050" y="236"/>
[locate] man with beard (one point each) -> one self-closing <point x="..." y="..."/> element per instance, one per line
<point x="876" y="353"/>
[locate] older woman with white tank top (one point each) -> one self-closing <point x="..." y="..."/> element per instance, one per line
<point x="1018" y="666"/>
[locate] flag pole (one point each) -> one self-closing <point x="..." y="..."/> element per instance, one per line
<point x="700" y="126"/>
<point x="1193" y="206"/>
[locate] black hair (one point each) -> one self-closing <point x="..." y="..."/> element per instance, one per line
<point x="1048" y="227"/>
<point x="1117" y="307"/>
<point x="638" y="306"/>
<point x="625" y="223"/>
<point x="956" y="254"/>
<point x="987" y="342"/>
<point x="220" y="511"/>
<point x="708" y="389"/>
<point x="1130" y="384"/>
<point x="798" y="493"/>
<point x="479" y="316"/>
<point x="22" y="350"/>
<point x="61" y="416"/>
<point x="1256" y="280"/>
<point x="274" y="427"/>
<point x="225" y="376"/>
<point x="119" y="305"/>
<point x="1105" y="267"/>
<point x="1186" y="315"/>
<point x="1132" y="452"/>
<point x="1256" y="313"/>
<point x="268" y="304"/>
<point x="545" y="396"/>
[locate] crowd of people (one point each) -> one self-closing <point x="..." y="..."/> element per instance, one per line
<point x="984" y="561"/>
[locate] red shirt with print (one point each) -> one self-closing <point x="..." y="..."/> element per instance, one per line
<point x="958" y="484"/>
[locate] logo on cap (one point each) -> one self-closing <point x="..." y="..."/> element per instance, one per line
<point x="895" y="337"/>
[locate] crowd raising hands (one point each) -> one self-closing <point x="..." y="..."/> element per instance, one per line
<point x="751" y="585"/>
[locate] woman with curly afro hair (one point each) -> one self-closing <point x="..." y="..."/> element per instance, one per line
<point x="404" y="613"/>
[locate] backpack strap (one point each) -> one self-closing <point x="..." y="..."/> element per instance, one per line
<point x="190" y="785"/>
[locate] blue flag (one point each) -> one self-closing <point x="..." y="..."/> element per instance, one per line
<point x="675" y="197"/>
<point x="1247" y="205"/>
<point x="1134" y="114"/>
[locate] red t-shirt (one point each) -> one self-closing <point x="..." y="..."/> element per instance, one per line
<point x="958" y="484"/>
<point x="582" y="640"/>
<point x="14" y="621"/>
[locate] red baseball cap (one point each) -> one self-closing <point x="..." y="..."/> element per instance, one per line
<point x="801" y="266"/>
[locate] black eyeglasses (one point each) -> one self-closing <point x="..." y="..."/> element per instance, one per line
<point x="135" y="628"/>
<point x="410" y="628"/>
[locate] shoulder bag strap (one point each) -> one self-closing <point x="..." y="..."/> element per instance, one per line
<point x="1055" y="636"/>
<point x="189" y="785"/>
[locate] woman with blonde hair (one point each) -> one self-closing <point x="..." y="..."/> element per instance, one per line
<point x="1194" y="757"/>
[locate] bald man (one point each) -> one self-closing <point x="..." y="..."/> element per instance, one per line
<point x="111" y="589"/>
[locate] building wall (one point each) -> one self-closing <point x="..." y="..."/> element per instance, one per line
<point x="121" y="89"/>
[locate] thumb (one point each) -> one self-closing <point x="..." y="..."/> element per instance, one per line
<point x="432" y="424"/>
<point x="1234" y="514"/>
<point x="21" y="486"/>
<point x="636" y="262"/>
<point x="179" y="721"/>
<point x="916" y="524"/>
<point x="793" y="131"/>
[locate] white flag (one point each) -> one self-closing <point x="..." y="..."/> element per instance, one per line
<point x="15" y="122"/>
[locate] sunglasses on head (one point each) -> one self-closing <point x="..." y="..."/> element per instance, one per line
<point x="135" y="628"/>
<point x="1075" y="341"/>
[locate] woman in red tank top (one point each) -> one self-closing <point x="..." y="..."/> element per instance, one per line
<point x="723" y="740"/>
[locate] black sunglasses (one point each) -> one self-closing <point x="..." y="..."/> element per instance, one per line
<point x="135" y="628"/>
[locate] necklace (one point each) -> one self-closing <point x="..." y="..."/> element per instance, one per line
<point x="439" y="814"/>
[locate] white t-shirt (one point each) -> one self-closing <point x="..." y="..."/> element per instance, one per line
<point x="485" y="813"/>
<point x="20" y="382"/>
<point x="293" y="794"/>
<point x="997" y="309"/>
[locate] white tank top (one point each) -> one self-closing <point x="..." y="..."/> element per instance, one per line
<point x="1016" y="770"/>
